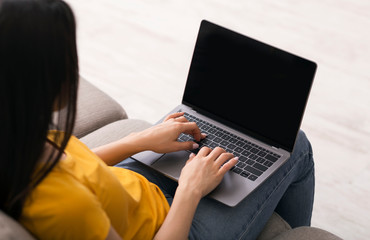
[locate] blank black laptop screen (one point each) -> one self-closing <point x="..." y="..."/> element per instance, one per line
<point x="248" y="85"/>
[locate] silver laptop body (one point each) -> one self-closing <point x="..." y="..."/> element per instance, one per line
<point x="255" y="93"/>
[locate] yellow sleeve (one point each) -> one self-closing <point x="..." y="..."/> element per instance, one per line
<point x="75" y="214"/>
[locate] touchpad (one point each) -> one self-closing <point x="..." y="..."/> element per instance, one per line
<point x="171" y="164"/>
<point x="147" y="157"/>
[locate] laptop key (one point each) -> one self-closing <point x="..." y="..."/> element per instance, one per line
<point x="253" y="157"/>
<point x="240" y="143"/>
<point x="238" y="149"/>
<point x="206" y="141"/>
<point x="261" y="154"/>
<point x="217" y="140"/>
<point x="226" y="137"/>
<point x="205" y="127"/>
<point x="185" y="138"/>
<point x="267" y="163"/>
<point x="210" y="137"/>
<point x="260" y="160"/>
<point x="231" y="146"/>
<point x="237" y="170"/>
<point x="253" y="170"/>
<point x="213" y="145"/>
<point x="271" y="158"/>
<point x="254" y="150"/>
<point x="252" y="177"/>
<point x="245" y="174"/>
<point x="260" y="167"/>
<point x="219" y="134"/>
<point x="246" y="153"/>
<point x="212" y="130"/>
<point x="181" y="138"/>
<point x="247" y="147"/>
<point x="241" y="164"/>
<point x="243" y="159"/>
<point x="250" y="162"/>
<point x="233" y="140"/>
<point x="235" y="153"/>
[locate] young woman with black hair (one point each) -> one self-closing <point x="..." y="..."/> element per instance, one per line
<point x="59" y="189"/>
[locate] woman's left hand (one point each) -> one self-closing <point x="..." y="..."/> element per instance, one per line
<point x="162" y="138"/>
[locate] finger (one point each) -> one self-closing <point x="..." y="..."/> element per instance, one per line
<point x="204" y="151"/>
<point x="192" y="129"/>
<point x="228" y="165"/>
<point x="181" y="119"/>
<point x="173" y="115"/>
<point x="216" y="153"/>
<point x="224" y="157"/>
<point x="191" y="157"/>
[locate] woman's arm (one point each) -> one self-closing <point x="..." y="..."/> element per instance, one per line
<point x="178" y="221"/>
<point x="117" y="151"/>
<point x="161" y="138"/>
<point x="193" y="185"/>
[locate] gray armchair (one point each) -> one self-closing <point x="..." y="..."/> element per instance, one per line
<point x="101" y="120"/>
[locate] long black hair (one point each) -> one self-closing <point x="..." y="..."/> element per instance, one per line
<point x="38" y="74"/>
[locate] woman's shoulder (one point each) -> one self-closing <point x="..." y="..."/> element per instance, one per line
<point x="61" y="189"/>
<point x="61" y="203"/>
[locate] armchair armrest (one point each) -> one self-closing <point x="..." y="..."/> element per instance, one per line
<point x="95" y="109"/>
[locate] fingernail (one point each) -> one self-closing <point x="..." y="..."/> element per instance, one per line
<point x="195" y="146"/>
<point x="191" y="155"/>
<point x="236" y="158"/>
<point x="204" y="134"/>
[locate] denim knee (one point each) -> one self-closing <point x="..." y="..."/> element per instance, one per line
<point x="303" y="153"/>
<point x="302" y="145"/>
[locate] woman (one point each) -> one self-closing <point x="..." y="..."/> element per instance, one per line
<point x="59" y="189"/>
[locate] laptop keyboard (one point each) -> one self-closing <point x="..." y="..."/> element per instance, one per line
<point x="253" y="159"/>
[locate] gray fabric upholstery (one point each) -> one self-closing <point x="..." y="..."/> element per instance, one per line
<point x="307" y="233"/>
<point x="114" y="131"/>
<point x="12" y="230"/>
<point x="95" y="109"/>
<point x="274" y="227"/>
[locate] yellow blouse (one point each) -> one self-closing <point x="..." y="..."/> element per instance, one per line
<point x="82" y="197"/>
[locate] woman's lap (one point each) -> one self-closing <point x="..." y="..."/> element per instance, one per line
<point x="167" y="185"/>
<point x="247" y="219"/>
<point x="289" y="192"/>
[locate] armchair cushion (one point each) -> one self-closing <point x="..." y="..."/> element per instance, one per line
<point x="114" y="131"/>
<point x="274" y="227"/>
<point x="95" y="109"/>
<point x="306" y="233"/>
<point x="12" y="230"/>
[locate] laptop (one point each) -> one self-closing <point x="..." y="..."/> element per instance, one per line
<point x="249" y="98"/>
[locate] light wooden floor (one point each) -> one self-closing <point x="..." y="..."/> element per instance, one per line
<point x="139" y="52"/>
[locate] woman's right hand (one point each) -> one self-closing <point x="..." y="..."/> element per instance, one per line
<point x="201" y="174"/>
<point x="204" y="172"/>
